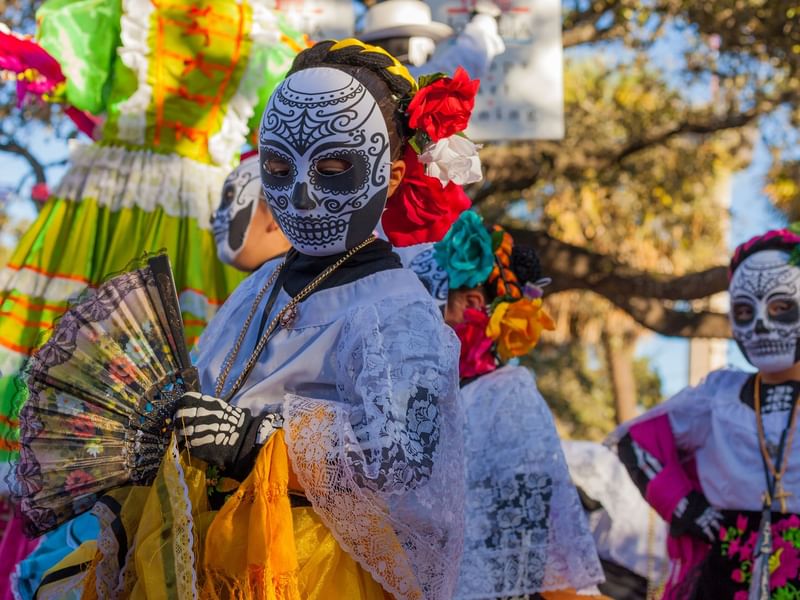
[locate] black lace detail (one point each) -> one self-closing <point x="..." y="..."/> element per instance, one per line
<point x="408" y="462"/>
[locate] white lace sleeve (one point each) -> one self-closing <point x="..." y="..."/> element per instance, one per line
<point x="526" y="531"/>
<point x="627" y="530"/>
<point x="384" y="466"/>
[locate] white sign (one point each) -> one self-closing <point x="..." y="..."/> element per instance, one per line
<point x="319" y="19"/>
<point x="522" y="97"/>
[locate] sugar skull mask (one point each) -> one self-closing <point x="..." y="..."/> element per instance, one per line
<point x="232" y="219"/>
<point x="325" y="160"/>
<point x="765" y="310"/>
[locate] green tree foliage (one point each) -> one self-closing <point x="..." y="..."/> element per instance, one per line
<point x="576" y="387"/>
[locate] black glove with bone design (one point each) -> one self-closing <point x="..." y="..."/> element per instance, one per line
<point x="223" y="435"/>
<point x="695" y="516"/>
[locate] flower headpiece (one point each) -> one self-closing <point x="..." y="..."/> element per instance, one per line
<point x="472" y="255"/>
<point x="439" y="160"/>
<point x="787" y="239"/>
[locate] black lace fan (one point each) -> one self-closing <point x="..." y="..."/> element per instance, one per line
<point x="101" y="393"/>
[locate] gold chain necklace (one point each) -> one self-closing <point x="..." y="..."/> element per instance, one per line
<point x="284" y="318"/>
<point x="779" y="493"/>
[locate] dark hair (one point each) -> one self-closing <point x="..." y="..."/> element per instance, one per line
<point x="396" y="46"/>
<point x="525" y="264"/>
<point x="383" y="75"/>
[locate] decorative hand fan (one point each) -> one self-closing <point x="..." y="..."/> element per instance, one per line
<point x="101" y="393"/>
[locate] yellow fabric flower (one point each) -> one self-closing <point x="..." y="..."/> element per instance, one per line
<point x="516" y="326"/>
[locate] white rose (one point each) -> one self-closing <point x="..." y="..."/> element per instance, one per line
<point x="452" y="159"/>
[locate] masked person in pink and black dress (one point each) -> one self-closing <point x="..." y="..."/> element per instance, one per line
<point x="719" y="461"/>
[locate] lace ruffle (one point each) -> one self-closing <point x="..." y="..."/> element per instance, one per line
<point x="134" y="52"/>
<point x="233" y="131"/>
<point x="183" y="535"/>
<point x="526" y="531"/>
<point x="384" y="468"/>
<point x="121" y="178"/>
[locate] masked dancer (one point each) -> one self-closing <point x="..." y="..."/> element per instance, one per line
<point x="719" y="461"/>
<point x="329" y="378"/>
<point x="526" y="535"/>
<point x="169" y="91"/>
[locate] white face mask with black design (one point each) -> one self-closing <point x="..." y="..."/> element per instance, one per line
<point x="765" y="310"/>
<point x="232" y="219"/>
<point x="325" y="160"/>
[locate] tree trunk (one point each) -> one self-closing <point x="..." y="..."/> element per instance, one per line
<point x="619" y="350"/>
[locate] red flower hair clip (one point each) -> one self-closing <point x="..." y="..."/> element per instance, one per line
<point x="439" y="160"/>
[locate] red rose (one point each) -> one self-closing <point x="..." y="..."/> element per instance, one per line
<point x="444" y="107"/>
<point x="421" y="210"/>
<point x="476" y="348"/>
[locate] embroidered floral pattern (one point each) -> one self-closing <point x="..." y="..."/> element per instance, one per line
<point x="737" y="543"/>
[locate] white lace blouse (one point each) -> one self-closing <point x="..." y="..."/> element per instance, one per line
<point x="525" y="528"/>
<point x="367" y="376"/>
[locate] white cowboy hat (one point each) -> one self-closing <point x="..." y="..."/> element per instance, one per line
<point x="402" y="18"/>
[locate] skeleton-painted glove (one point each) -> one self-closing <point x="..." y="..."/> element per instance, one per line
<point x="223" y="435"/>
<point x="696" y="517"/>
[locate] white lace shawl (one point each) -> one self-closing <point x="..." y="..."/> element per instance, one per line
<point x="525" y="529"/>
<point x="627" y="531"/>
<point x="369" y="376"/>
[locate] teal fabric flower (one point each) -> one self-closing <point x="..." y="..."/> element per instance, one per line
<point x="466" y="253"/>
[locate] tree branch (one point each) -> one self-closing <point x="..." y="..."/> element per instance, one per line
<point x="644" y="296"/>
<point x="573" y="267"/>
<point x="548" y="159"/>
<point x="656" y="316"/>
<point x="12" y="147"/>
<point x="580" y="27"/>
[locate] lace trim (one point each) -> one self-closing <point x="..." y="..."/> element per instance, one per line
<point x="120" y="178"/>
<point x="134" y="54"/>
<point x="108" y="582"/>
<point x="316" y="451"/>
<point x="183" y="538"/>
<point x="233" y="130"/>
<point x="377" y="465"/>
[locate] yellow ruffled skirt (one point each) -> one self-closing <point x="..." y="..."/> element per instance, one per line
<point x="257" y="547"/>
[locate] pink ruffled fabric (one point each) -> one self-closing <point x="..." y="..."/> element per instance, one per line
<point x="18" y="55"/>
<point x="14" y="548"/>
<point x="665" y="490"/>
